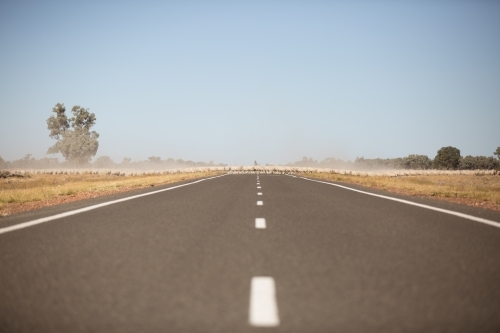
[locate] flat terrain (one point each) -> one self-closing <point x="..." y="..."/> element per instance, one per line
<point x="183" y="260"/>
<point x="479" y="190"/>
<point x="36" y="190"/>
<point x="40" y="189"/>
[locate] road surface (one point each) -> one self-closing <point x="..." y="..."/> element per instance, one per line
<point x="206" y="257"/>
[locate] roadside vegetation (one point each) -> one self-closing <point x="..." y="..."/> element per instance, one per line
<point x="22" y="191"/>
<point x="447" y="158"/>
<point x="480" y="189"/>
<point x="470" y="180"/>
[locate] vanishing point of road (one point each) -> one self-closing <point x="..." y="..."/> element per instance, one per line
<point x="246" y="253"/>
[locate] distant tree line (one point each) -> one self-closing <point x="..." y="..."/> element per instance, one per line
<point x="447" y="158"/>
<point x="153" y="162"/>
<point x="78" y="144"/>
<point x="30" y="162"/>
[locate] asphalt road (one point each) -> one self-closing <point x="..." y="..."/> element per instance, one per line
<point x="183" y="260"/>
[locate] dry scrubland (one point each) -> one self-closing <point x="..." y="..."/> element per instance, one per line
<point x="39" y="188"/>
<point x="480" y="190"/>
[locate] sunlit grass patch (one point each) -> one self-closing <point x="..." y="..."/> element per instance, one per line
<point x="471" y="189"/>
<point x="50" y="188"/>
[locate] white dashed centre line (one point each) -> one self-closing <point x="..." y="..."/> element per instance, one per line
<point x="260" y="223"/>
<point x="263" y="308"/>
<point x="260" y="203"/>
<point x="259" y="193"/>
<point x="258" y="187"/>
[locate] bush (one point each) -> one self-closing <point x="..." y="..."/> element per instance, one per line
<point x="104" y="162"/>
<point x="417" y="162"/>
<point x="379" y="163"/>
<point x="479" y="163"/>
<point x="154" y="159"/>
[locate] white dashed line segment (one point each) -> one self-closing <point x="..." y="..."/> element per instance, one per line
<point x="259" y="193"/>
<point x="260" y="203"/>
<point x="260" y="223"/>
<point x="263" y="307"/>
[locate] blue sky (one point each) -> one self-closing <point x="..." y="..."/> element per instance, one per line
<point x="238" y="81"/>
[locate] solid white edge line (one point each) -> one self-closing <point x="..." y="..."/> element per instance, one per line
<point x="446" y="211"/>
<point x="263" y="311"/>
<point x="85" y="209"/>
<point x="260" y="223"/>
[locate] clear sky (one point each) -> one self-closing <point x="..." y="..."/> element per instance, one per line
<point x="238" y="81"/>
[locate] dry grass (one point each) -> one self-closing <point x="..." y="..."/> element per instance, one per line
<point x="51" y="187"/>
<point x="40" y="189"/>
<point x="474" y="190"/>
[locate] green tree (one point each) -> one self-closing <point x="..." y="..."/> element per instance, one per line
<point x="75" y="141"/>
<point x="497" y="152"/>
<point x="447" y="158"/>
